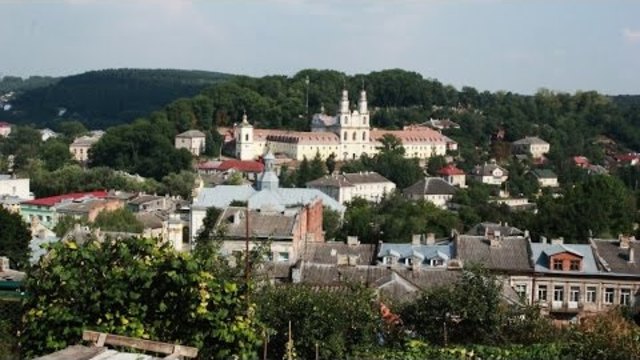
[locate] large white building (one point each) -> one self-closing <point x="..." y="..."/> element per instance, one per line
<point x="347" y="135"/>
<point x="370" y="186"/>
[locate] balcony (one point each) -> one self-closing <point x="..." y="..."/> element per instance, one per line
<point x="568" y="307"/>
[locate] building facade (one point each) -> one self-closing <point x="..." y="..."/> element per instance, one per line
<point x="531" y="145"/>
<point x="192" y="140"/>
<point x="347" y="135"/>
<point x="370" y="186"/>
<point x="79" y="148"/>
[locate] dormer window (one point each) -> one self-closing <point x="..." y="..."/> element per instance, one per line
<point x="437" y="262"/>
<point x="557" y="264"/>
<point x="574" y="265"/>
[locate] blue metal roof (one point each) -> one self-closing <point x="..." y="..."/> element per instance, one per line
<point x="407" y="250"/>
<point x="541" y="252"/>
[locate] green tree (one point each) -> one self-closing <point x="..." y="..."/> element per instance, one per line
<point x="135" y="287"/>
<point x="330" y="163"/>
<point x="14" y="239"/>
<point x="331" y="223"/>
<point x="120" y="220"/>
<point x="435" y="164"/>
<point x="304" y="173"/>
<point x="71" y="129"/>
<point x="55" y="154"/>
<point x="317" y="168"/>
<point x="181" y="184"/>
<point x="337" y="323"/>
<point x="66" y="223"/>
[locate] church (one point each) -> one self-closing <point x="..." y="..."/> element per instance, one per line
<point x="347" y="136"/>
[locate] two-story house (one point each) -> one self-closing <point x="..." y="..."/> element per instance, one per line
<point x="79" y="148"/>
<point x="192" y="140"/>
<point x="490" y="173"/>
<point x="545" y="177"/>
<point x="433" y="189"/>
<point x="531" y="145"/>
<point x="453" y="175"/>
<point x="345" y="187"/>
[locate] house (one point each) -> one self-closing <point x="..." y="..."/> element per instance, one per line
<point x="416" y="255"/>
<point x="433" y="189"/>
<point x="576" y="280"/>
<point x="490" y="173"/>
<point x="79" y="148"/>
<point x="531" y="145"/>
<point x="46" y="134"/>
<point x="86" y="207"/>
<point x="545" y="177"/>
<point x="267" y="195"/>
<point x="628" y="159"/>
<point x="453" y="175"/>
<point x="40" y="235"/>
<point x="345" y="187"/>
<point x="44" y="209"/>
<point x="286" y="231"/>
<point x="10" y="185"/>
<point x="515" y="203"/>
<point x="192" y="140"/>
<point x="442" y="124"/>
<point x="581" y="161"/>
<point x="150" y="203"/>
<point x="250" y="169"/>
<point x="5" y="129"/>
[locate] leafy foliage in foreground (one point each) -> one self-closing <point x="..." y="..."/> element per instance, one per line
<point x="14" y="239"/>
<point x="135" y="287"/>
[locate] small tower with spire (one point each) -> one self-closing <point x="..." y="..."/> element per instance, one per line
<point x="245" y="149"/>
<point x="268" y="180"/>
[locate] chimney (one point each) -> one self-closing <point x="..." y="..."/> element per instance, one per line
<point x="631" y="258"/>
<point x="352" y="241"/>
<point x="543" y="239"/>
<point x="4" y="263"/>
<point x="495" y="240"/>
<point x="527" y="235"/>
<point x="557" y="241"/>
<point x="416" y="239"/>
<point x="431" y="239"/>
<point x="623" y="241"/>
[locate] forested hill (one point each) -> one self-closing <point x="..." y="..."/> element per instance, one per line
<point x="108" y="97"/>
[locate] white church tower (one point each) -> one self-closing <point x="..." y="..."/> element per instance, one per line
<point x="354" y="127"/>
<point x="245" y="149"/>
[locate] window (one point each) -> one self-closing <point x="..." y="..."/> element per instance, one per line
<point x="558" y="293"/>
<point x="574" y="265"/>
<point x="246" y="137"/>
<point x="437" y="262"/>
<point x="345" y="136"/>
<point x="542" y="292"/>
<point x="625" y="296"/>
<point x="353" y="137"/>
<point x="364" y="136"/>
<point x="521" y="290"/>
<point x="283" y="256"/>
<point x="387" y="260"/>
<point x="557" y="264"/>
<point x="608" y="295"/>
<point x="591" y="294"/>
<point x="574" y="294"/>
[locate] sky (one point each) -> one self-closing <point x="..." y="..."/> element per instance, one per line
<point x="515" y="45"/>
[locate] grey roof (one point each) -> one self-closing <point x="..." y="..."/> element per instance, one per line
<point x="5" y="177"/>
<point x="487" y="170"/>
<point x="544" y="174"/>
<point x="349" y="179"/>
<point x="321" y="274"/>
<point x="151" y="220"/>
<point x="540" y="254"/>
<point x="85" y="141"/>
<point x="262" y="225"/>
<point x="529" y="140"/>
<point x="78" y="207"/>
<point x="511" y="255"/>
<point x="327" y="253"/>
<point x="504" y="229"/>
<point x="431" y="186"/>
<point x="191" y="134"/>
<point x="408" y="250"/>
<point x="143" y="198"/>
<point x="615" y="259"/>
<point x="278" y="199"/>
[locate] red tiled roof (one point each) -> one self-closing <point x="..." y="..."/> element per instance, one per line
<point x="627" y="157"/>
<point x="450" y="170"/>
<point x="52" y="200"/>
<point x="424" y="135"/>
<point x="581" y="160"/>
<point x="243" y="166"/>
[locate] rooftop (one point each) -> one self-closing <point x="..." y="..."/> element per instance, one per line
<point x="544" y="174"/>
<point x="263" y="224"/>
<point x="530" y="140"/>
<point x="616" y="259"/>
<point x="449" y="170"/>
<point x="431" y="186"/>
<point x="327" y="253"/>
<point x="191" y="134"/>
<point x="540" y="253"/>
<point x="53" y="200"/>
<point x="349" y="179"/>
<point x="509" y="254"/>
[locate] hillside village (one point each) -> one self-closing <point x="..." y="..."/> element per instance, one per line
<point x="400" y="211"/>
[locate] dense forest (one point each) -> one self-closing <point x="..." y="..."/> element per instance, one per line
<point x="108" y="97"/>
<point x="19" y="85"/>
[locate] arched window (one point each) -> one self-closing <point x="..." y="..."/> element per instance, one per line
<point x="246" y="137"/>
<point x="364" y="136"/>
<point x="364" y="120"/>
<point x="354" y="136"/>
<point x="345" y="137"/>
